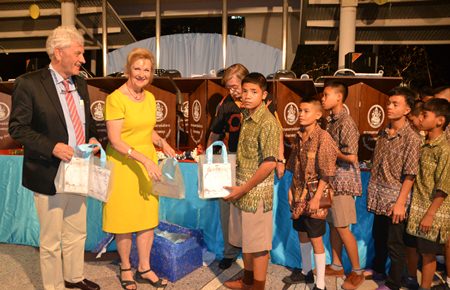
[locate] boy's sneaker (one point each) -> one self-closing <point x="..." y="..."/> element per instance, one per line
<point x="353" y="281"/>
<point x="410" y="283"/>
<point x="329" y="271"/>
<point x="298" y="277"/>
<point x="441" y="287"/>
<point x="317" y="288"/>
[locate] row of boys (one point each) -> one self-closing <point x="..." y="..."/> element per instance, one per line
<point x="331" y="158"/>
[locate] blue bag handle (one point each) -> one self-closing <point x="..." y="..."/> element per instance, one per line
<point x="87" y="149"/>
<point x="209" y="152"/>
<point x="168" y="169"/>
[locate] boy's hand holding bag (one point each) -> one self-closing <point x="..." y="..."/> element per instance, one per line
<point x="212" y="177"/>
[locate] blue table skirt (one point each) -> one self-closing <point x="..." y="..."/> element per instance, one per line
<point x="19" y="223"/>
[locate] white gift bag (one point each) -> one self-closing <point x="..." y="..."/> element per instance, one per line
<point x="85" y="174"/>
<point x="73" y="176"/>
<point x="99" y="177"/>
<point x="171" y="183"/>
<point x="212" y="177"/>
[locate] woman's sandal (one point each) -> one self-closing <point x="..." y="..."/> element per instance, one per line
<point x="157" y="284"/>
<point x="126" y="283"/>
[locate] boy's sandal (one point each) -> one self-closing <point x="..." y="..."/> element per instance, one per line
<point x="126" y="283"/>
<point x="157" y="284"/>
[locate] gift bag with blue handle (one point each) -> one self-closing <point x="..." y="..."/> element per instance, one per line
<point x="214" y="173"/>
<point x="171" y="183"/>
<point x="85" y="174"/>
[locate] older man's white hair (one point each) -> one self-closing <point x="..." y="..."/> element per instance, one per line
<point x="62" y="37"/>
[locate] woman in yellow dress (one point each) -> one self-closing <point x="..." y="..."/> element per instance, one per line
<point x="130" y="116"/>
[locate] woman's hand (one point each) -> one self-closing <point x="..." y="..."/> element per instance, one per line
<point x="153" y="170"/>
<point x="167" y="149"/>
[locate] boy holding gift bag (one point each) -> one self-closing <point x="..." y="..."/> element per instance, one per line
<point x="251" y="208"/>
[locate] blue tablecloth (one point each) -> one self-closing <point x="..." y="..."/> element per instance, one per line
<point x="19" y="224"/>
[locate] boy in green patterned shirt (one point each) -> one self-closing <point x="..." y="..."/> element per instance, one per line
<point x="429" y="218"/>
<point x="250" y="224"/>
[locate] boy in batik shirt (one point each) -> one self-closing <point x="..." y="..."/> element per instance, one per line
<point x="395" y="165"/>
<point x="429" y="218"/>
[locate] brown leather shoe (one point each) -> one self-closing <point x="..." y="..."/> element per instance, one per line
<point x="84" y="285"/>
<point x="329" y="271"/>
<point x="237" y="284"/>
<point x="353" y="281"/>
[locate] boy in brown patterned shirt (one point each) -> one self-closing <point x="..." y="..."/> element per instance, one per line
<point x="313" y="157"/>
<point x="395" y="165"/>
<point x="346" y="184"/>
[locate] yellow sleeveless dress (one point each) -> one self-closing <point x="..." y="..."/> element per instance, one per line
<point x="131" y="206"/>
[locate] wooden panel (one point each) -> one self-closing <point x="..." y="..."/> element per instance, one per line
<point x="287" y="110"/>
<point x="6" y="142"/>
<point x="372" y="118"/>
<point x="166" y="114"/>
<point x="198" y="121"/>
<point x="97" y="97"/>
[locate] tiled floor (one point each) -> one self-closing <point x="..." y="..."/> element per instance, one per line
<point x="19" y="269"/>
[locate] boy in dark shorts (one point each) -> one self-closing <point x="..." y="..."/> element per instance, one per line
<point x="429" y="218"/>
<point x="313" y="156"/>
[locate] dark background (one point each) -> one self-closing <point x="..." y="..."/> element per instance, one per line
<point x="420" y="66"/>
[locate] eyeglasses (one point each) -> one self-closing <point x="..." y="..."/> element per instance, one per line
<point x="233" y="89"/>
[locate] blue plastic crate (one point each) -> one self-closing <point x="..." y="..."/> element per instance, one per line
<point x="174" y="260"/>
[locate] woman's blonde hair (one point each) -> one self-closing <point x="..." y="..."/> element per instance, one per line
<point x="136" y="54"/>
<point x="237" y="70"/>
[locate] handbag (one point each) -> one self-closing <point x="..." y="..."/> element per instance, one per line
<point x="171" y="183"/>
<point x="300" y="207"/>
<point x="213" y="176"/>
<point x="325" y="199"/>
<point x="85" y="174"/>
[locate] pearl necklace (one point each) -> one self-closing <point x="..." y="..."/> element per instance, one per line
<point x="135" y="96"/>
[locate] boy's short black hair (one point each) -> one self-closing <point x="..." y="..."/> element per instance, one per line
<point x="311" y="100"/>
<point x="409" y="95"/>
<point x="257" y="79"/>
<point x="343" y="89"/>
<point x="417" y="109"/>
<point x="440" y="107"/>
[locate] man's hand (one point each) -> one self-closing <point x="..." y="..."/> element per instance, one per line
<point x="398" y="212"/>
<point x="95" y="141"/>
<point x="236" y="192"/>
<point x="63" y="152"/>
<point x="426" y="222"/>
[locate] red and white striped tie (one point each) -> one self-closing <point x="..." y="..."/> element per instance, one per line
<point x="76" y="121"/>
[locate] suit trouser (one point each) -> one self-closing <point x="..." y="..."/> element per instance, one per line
<point x="388" y="241"/>
<point x="229" y="251"/>
<point x="62" y="219"/>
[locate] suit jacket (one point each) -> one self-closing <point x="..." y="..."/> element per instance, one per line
<point x="37" y="121"/>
